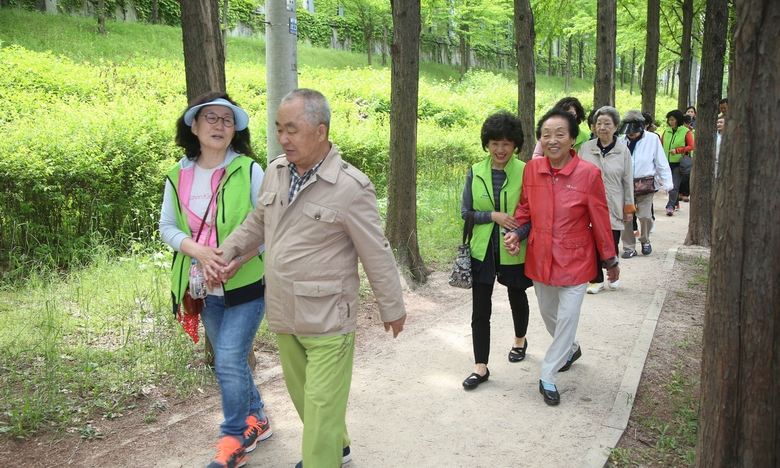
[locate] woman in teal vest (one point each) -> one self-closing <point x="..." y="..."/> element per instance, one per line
<point x="207" y="195"/>
<point x="677" y="141"/>
<point x="490" y="195"/>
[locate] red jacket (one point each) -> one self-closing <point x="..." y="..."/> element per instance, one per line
<point x="569" y="222"/>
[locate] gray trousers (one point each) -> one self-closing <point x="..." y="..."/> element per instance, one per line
<point x="560" y="309"/>
<point x="643" y="203"/>
<point x="676" y="180"/>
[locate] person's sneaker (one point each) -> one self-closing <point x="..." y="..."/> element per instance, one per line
<point x="594" y="288"/>
<point x="628" y="253"/>
<point x="230" y="453"/>
<point x="647" y="249"/>
<point x="614" y="284"/>
<point x="257" y="430"/>
<point x="669" y="211"/>
<point x="346" y="457"/>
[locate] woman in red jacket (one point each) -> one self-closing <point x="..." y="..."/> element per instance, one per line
<point x="564" y="200"/>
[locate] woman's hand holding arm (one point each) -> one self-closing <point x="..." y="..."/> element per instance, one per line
<point x="504" y="220"/>
<point x="209" y="258"/>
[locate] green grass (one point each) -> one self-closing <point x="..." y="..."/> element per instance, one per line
<point x="85" y="343"/>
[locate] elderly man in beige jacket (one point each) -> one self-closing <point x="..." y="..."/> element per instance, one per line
<point x="316" y="214"/>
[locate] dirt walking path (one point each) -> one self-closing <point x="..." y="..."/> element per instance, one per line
<point x="407" y="407"/>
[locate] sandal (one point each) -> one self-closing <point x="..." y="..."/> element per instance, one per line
<point x="473" y="380"/>
<point x="518" y="354"/>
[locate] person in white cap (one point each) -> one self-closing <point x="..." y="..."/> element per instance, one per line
<point x="207" y="195"/>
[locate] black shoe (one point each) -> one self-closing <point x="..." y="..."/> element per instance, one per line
<point x="577" y="354"/>
<point x="551" y="397"/>
<point x="518" y="354"/>
<point x="346" y="457"/>
<point x="474" y="380"/>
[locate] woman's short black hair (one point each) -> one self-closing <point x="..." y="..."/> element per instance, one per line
<point x="571" y="101"/>
<point x="241" y="141"/>
<point x="574" y="129"/>
<point x="502" y="126"/>
<point x="649" y="120"/>
<point x="691" y="107"/>
<point x="592" y="118"/>
<point x="678" y="116"/>
<point x="687" y="119"/>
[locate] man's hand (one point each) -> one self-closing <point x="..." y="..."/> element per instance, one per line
<point x="396" y="325"/>
<point x="512" y="243"/>
<point x="613" y="274"/>
<point x="504" y="220"/>
<point x="230" y="270"/>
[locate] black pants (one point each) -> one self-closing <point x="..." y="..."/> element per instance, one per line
<point x="599" y="272"/>
<point x="482" y="308"/>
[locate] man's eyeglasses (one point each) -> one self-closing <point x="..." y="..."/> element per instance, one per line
<point x="213" y="118"/>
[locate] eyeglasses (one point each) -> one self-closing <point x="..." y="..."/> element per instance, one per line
<point x="213" y="118"/>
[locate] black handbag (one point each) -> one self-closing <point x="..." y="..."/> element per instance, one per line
<point x="461" y="269"/>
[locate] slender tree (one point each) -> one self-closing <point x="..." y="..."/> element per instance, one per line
<point x="204" y="58"/>
<point x="101" y="16"/>
<point x="710" y="87"/>
<point x="650" y="75"/>
<point x="606" y="32"/>
<point x="567" y="80"/>
<point x="525" y="40"/>
<point x="281" y="71"/>
<point x="402" y="182"/>
<point x="154" y="17"/>
<point x="686" y="56"/>
<point x="740" y="375"/>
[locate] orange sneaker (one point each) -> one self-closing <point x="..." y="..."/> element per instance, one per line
<point x="230" y="453"/>
<point x="257" y="430"/>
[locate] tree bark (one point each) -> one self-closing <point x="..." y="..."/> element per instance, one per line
<point x="582" y="59"/>
<point x="673" y="76"/>
<point x="281" y="70"/>
<point x="650" y="74"/>
<point x="384" y="45"/>
<point x="567" y="80"/>
<point x="204" y="58"/>
<point x="732" y="29"/>
<point x="101" y="16"/>
<point x="633" y="70"/>
<point x="525" y="39"/>
<point x="154" y="17"/>
<point x="464" y="50"/>
<point x="684" y="96"/>
<point x="225" y="14"/>
<point x="710" y="87"/>
<point x="740" y="375"/>
<point x="606" y="31"/>
<point x="367" y="40"/>
<point x="550" y="71"/>
<point x="622" y="70"/>
<point x="402" y="182"/>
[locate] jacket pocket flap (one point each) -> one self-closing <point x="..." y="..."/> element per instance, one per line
<point x="317" y="288"/>
<point x="267" y="198"/>
<point x="319" y="213"/>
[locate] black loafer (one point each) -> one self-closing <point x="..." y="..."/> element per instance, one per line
<point x="518" y="354"/>
<point x="577" y="354"/>
<point x="551" y="397"/>
<point x="474" y="380"/>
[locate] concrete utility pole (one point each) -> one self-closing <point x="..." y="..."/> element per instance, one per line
<point x="281" y="53"/>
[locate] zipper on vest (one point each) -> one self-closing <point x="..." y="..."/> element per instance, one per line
<point x="490" y="196"/>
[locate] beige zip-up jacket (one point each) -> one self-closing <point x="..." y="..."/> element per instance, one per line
<point x="617" y="172"/>
<point x="312" y="246"/>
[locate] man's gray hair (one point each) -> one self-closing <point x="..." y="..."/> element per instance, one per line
<point x="315" y="106"/>
<point x="633" y="116"/>
<point x="609" y="111"/>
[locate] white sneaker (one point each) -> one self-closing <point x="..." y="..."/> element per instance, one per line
<point x="614" y="284"/>
<point x="594" y="288"/>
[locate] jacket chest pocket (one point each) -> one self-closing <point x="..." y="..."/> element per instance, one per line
<point x="319" y="307"/>
<point x="319" y="213"/>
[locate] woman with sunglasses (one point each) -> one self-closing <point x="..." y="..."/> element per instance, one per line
<point x="208" y="193"/>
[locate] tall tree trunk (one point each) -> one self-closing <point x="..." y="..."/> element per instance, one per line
<point x="464" y="50"/>
<point x="740" y="374"/>
<point x="550" y="71"/>
<point x="367" y="40"/>
<point x="633" y="69"/>
<point x="101" y="16"/>
<point x="225" y="14"/>
<point x="606" y="31"/>
<point x="402" y="183"/>
<point x="710" y="87"/>
<point x="650" y="73"/>
<point x="674" y="76"/>
<point x="281" y="72"/>
<point x="732" y="29"/>
<point x="525" y="45"/>
<point x="581" y="46"/>
<point x="154" y="17"/>
<point x="567" y="80"/>
<point x="622" y="70"/>
<point x="204" y="58"/>
<point x="384" y="45"/>
<point x="684" y="96"/>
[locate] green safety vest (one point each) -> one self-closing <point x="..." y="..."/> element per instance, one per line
<point x="234" y="192"/>
<point x="674" y="139"/>
<point x="582" y="137"/>
<point x="482" y="200"/>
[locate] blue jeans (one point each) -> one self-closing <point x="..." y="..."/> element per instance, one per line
<point x="231" y="332"/>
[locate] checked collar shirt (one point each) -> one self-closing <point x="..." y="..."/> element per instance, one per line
<point x="296" y="181"/>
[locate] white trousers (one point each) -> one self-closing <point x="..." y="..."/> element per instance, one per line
<point x="560" y="309"/>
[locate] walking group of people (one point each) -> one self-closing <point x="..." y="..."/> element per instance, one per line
<point x="283" y="244"/>
<point x="556" y="222"/>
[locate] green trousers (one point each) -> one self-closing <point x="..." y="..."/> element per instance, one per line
<point x="318" y="374"/>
